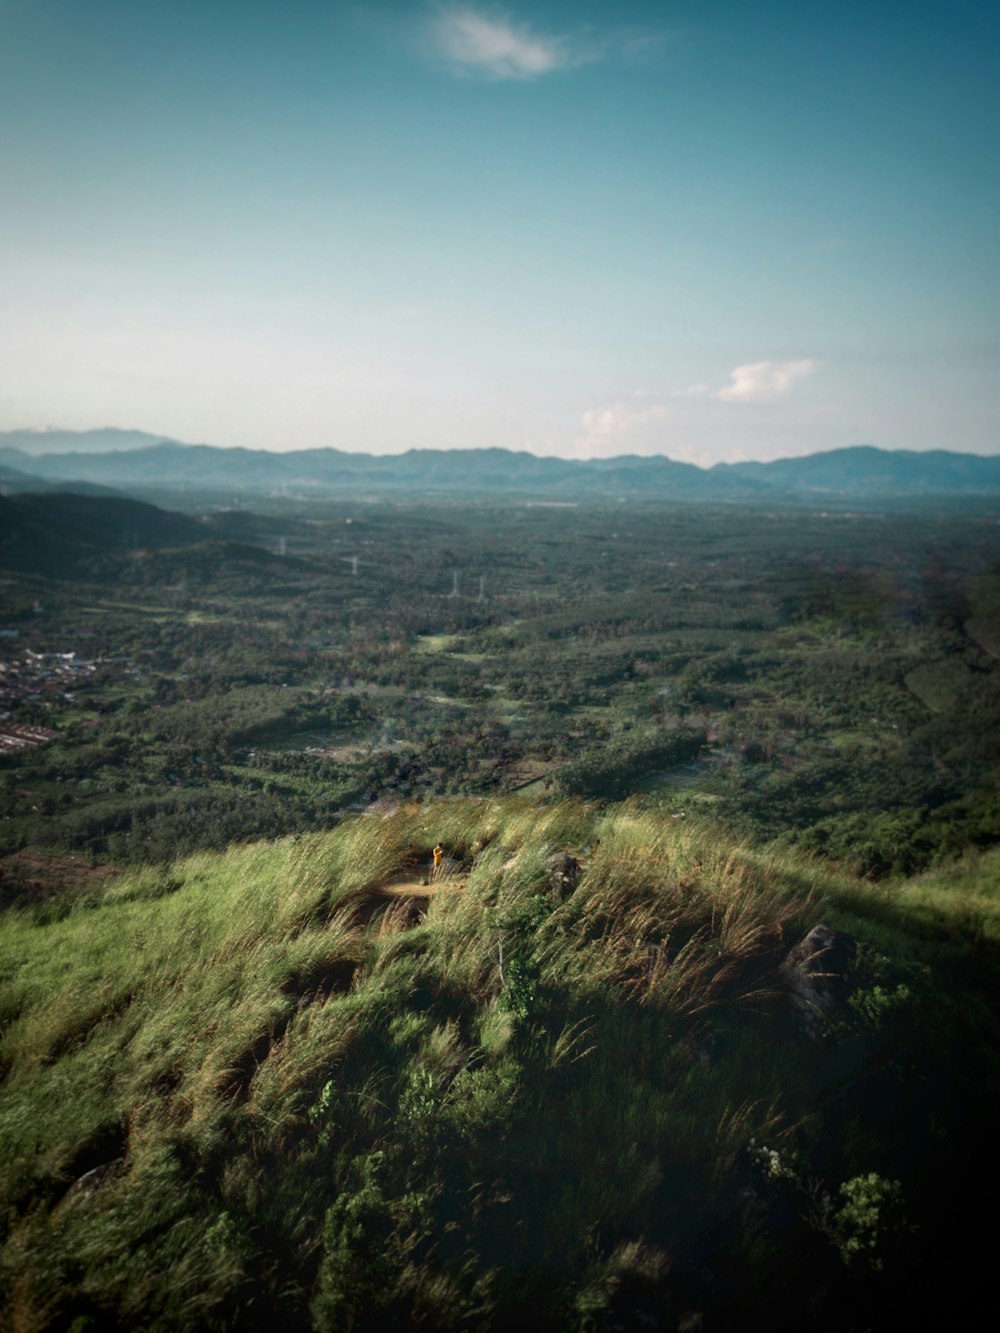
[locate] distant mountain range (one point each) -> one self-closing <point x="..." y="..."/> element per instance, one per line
<point x="107" y="440"/>
<point x="133" y="461"/>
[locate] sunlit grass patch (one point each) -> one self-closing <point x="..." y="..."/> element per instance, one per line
<point x="963" y="896"/>
<point x="437" y="643"/>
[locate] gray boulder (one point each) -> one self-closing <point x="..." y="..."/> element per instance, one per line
<point x="563" y="875"/>
<point x="815" y="973"/>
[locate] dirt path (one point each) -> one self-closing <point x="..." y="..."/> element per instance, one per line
<point x="409" y="896"/>
<point x="420" y="888"/>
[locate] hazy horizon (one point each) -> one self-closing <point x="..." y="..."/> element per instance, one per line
<point x="155" y="438"/>
<point x="703" y="232"/>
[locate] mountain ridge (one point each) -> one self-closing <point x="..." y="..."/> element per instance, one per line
<point x="853" y="472"/>
<point x="104" y="439"/>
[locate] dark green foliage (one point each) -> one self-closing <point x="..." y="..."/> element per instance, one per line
<point x="366" y="1274"/>
<point x="830" y="679"/>
<point x="615" y="770"/>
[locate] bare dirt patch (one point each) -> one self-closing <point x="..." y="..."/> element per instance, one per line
<point x="425" y="887"/>
<point x="403" y="902"/>
<point x="31" y="877"/>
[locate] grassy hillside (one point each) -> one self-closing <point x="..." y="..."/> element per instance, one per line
<point x="564" y="1085"/>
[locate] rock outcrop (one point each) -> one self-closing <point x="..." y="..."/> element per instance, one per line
<point x="815" y="972"/>
<point x="564" y="875"/>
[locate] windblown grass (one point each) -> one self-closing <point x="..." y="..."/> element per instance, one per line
<point x="251" y="1088"/>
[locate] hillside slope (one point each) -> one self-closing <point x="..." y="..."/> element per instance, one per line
<point x="863" y="470"/>
<point x="52" y="531"/>
<point x="69" y="534"/>
<point x="289" y="1086"/>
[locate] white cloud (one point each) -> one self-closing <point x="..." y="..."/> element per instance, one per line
<point x="493" y="46"/>
<point x="479" y="40"/>
<point x="763" y="381"/>
<point x="619" y="419"/>
<point x="690" y="425"/>
<point x="622" y="427"/>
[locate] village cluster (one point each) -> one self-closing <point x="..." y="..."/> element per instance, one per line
<point x="32" y="678"/>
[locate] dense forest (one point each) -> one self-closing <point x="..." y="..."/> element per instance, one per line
<point x="830" y="678"/>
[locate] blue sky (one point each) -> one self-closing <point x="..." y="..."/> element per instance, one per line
<point x="712" y="231"/>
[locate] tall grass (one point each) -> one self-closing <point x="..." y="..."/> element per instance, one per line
<point x="226" y="1081"/>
